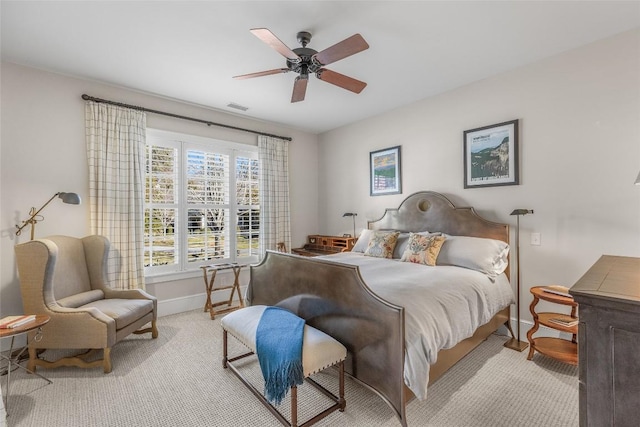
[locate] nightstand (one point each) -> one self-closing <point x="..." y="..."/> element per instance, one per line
<point x="558" y="348"/>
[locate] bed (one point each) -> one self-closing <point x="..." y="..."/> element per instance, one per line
<point x="371" y="305"/>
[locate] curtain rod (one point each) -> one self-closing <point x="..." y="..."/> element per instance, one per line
<point x="147" y="110"/>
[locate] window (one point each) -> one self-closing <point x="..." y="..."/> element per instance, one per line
<point x="202" y="203"/>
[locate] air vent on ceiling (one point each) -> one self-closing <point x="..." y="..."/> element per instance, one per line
<point x="237" y="106"/>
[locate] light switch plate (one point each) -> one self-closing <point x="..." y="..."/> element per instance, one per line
<point x="535" y="239"/>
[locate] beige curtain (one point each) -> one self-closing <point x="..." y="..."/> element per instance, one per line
<point x="275" y="224"/>
<point x="115" y="139"/>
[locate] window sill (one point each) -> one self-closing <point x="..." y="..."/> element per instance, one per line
<point x="172" y="276"/>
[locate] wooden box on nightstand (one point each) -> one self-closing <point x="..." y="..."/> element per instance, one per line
<point x="325" y="245"/>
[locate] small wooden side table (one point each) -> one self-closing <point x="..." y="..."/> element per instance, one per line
<point x="209" y="287"/>
<point x="558" y="348"/>
<point x="12" y="360"/>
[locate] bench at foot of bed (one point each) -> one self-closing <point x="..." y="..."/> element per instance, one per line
<point x="319" y="351"/>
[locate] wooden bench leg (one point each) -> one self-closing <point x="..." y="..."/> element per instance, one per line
<point x="341" y="400"/>
<point x="294" y="406"/>
<point x="224" y="348"/>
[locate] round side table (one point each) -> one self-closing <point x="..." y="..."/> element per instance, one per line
<point x="12" y="360"/>
<point x="558" y="348"/>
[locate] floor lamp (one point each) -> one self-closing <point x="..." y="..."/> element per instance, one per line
<point x="515" y="343"/>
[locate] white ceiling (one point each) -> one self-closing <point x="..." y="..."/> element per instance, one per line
<point x="189" y="50"/>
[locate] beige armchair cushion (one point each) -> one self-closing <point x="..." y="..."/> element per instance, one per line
<point x="83" y="298"/>
<point x="123" y="311"/>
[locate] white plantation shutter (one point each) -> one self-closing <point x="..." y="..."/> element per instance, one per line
<point x="247" y="204"/>
<point x="208" y="206"/>
<point x="161" y="206"/>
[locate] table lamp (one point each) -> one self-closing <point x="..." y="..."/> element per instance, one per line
<point x="352" y="215"/>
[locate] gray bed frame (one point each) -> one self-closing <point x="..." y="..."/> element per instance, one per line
<point x="333" y="298"/>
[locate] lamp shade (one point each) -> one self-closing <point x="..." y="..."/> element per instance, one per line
<point x="70" y="198"/>
<point x="521" y="211"/>
<point x="638" y="179"/>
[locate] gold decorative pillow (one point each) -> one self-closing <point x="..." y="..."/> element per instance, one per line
<point x="381" y="244"/>
<point x="423" y="249"/>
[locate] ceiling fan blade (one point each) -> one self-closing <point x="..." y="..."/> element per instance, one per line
<point x="299" y="89"/>
<point x="269" y="38"/>
<point x="262" y="73"/>
<point x="341" y="50"/>
<point x="345" y="82"/>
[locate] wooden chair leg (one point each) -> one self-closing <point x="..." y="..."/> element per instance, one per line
<point x="33" y="355"/>
<point x="154" y="330"/>
<point x="106" y="360"/>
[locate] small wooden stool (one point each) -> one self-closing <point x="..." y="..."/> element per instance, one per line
<point x="319" y="351"/>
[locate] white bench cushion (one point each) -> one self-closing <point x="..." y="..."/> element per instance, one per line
<point x="319" y="350"/>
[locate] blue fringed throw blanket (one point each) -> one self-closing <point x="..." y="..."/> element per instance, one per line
<point x="279" y="347"/>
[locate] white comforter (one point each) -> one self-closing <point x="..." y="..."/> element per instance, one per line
<point x="443" y="305"/>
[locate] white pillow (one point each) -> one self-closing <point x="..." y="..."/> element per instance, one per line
<point x="487" y="256"/>
<point x="363" y="241"/>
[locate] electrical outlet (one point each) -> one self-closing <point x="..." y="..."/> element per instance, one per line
<point x="535" y="239"/>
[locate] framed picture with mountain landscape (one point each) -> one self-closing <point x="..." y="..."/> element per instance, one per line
<point x="385" y="175"/>
<point x="491" y="155"/>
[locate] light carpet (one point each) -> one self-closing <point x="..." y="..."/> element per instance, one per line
<point x="178" y="380"/>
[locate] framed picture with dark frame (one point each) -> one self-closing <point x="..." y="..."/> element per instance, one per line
<point x="491" y="155"/>
<point x="385" y="171"/>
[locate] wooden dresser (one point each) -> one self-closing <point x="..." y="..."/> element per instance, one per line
<point x="608" y="296"/>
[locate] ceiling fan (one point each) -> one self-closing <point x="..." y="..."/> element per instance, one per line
<point x="304" y="60"/>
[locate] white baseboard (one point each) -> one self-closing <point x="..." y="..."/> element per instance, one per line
<point x="180" y="305"/>
<point x="192" y="302"/>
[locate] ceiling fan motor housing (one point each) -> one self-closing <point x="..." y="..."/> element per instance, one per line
<point x="306" y="63"/>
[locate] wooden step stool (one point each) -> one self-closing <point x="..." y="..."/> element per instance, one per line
<point x="319" y="351"/>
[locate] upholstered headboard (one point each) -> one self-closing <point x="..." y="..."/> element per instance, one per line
<point x="431" y="211"/>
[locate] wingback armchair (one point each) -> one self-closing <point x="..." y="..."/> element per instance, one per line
<point x="66" y="279"/>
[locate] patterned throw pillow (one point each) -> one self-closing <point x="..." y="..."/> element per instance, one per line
<point x="423" y="249"/>
<point x="381" y="244"/>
